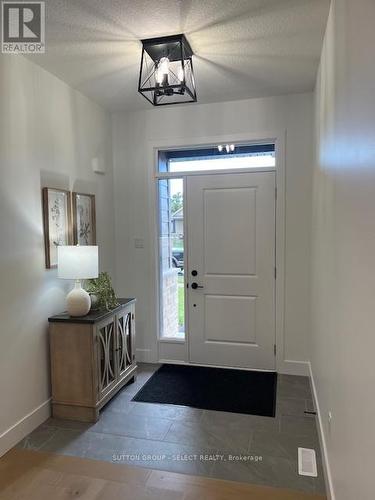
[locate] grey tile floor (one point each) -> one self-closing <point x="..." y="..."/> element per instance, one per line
<point x="232" y="446"/>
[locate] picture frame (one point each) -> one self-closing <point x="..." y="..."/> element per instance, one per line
<point x="84" y="219"/>
<point x="56" y="222"/>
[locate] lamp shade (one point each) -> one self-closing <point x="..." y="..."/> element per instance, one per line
<point x="77" y="262"/>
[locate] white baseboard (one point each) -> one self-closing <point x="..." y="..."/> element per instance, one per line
<point x="289" y="367"/>
<point x="172" y="362"/>
<point x="23" y="427"/>
<point x="322" y="440"/>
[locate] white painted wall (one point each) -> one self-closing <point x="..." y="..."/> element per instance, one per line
<point x="133" y="137"/>
<point x="48" y="135"/>
<point x="343" y="272"/>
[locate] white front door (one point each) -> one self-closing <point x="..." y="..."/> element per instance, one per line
<point x="231" y="257"/>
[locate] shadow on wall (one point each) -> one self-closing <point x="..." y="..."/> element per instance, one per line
<point x="62" y="181"/>
<point x="54" y="180"/>
<point x="84" y="186"/>
<point x="28" y="295"/>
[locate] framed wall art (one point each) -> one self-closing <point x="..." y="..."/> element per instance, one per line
<point x="56" y="221"/>
<point x="84" y="219"/>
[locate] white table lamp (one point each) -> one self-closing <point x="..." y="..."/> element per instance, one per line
<point x="77" y="263"/>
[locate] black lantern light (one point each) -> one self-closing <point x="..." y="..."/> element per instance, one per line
<point x="166" y="75"/>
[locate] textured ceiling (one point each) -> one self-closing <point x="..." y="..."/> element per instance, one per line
<point x="243" y="48"/>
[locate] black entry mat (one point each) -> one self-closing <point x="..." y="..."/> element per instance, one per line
<point x="221" y="389"/>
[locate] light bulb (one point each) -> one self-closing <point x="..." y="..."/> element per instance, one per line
<point x="220" y="148"/>
<point x="181" y="74"/>
<point x="161" y="74"/>
<point x="227" y="149"/>
<point x="232" y="147"/>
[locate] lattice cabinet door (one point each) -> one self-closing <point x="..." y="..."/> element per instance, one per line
<point x="124" y="349"/>
<point x="106" y="352"/>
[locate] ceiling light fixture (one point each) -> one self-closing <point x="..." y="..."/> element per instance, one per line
<point x="166" y="75"/>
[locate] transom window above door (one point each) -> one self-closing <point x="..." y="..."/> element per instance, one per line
<point x="218" y="157"/>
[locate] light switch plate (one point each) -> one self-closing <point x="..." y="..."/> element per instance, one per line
<point x="139" y="243"/>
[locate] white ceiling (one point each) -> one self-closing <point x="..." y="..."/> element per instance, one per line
<point x="243" y="48"/>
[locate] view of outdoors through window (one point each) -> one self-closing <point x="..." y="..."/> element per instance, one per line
<point x="171" y="213"/>
<point x="254" y="160"/>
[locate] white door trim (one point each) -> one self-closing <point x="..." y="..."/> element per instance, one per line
<point x="177" y="352"/>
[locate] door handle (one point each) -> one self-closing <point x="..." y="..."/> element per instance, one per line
<point x="194" y="286"/>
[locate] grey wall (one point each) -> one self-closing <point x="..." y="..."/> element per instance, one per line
<point x="343" y="290"/>
<point x="134" y="135"/>
<point x="48" y="135"/>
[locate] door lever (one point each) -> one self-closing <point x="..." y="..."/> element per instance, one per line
<point x="194" y="286"/>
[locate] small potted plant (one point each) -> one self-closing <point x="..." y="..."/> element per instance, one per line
<point x="102" y="293"/>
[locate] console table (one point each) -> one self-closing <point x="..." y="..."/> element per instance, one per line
<point x="92" y="357"/>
